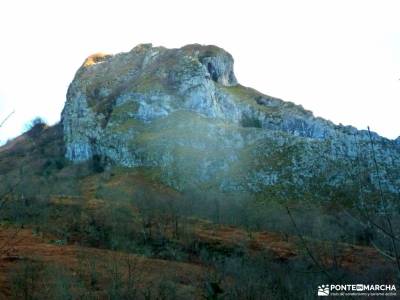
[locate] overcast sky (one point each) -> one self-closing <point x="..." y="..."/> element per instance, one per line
<point x="340" y="59"/>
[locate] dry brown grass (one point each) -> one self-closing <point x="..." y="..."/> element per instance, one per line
<point x="187" y="276"/>
<point x="95" y="58"/>
<point x="38" y="248"/>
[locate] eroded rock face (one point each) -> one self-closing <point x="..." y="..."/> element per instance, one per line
<point x="182" y="112"/>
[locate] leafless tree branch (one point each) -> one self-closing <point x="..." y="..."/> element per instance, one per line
<point x="305" y="245"/>
<point x="6" y="118"/>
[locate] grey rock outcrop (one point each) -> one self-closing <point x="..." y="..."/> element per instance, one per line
<point x="182" y="112"/>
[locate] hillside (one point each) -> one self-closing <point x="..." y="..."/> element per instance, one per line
<point x="167" y="179"/>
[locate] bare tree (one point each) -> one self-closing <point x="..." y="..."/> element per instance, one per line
<point x="321" y="268"/>
<point x="389" y="233"/>
<point x="370" y="221"/>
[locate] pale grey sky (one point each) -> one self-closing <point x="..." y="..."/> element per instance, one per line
<point x="340" y="59"/>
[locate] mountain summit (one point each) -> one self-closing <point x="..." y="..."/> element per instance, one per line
<point x="182" y="114"/>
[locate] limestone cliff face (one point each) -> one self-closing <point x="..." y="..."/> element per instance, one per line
<point x="182" y="113"/>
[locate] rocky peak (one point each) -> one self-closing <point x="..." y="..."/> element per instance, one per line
<point x="182" y="111"/>
<point x="158" y="79"/>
